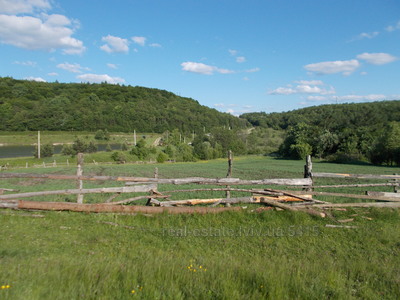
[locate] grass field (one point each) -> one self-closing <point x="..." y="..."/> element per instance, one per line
<point x="233" y="255"/>
<point x="63" y="137"/>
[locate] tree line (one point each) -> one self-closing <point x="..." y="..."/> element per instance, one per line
<point x="30" y="105"/>
<point x="340" y="133"/>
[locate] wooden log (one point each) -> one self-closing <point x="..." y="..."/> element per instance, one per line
<point x="340" y="226"/>
<point x="125" y="189"/>
<point x="308" y="171"/>
<point x="361" y="204"/>
<point x="353" y="185"/>
<point x="296" y="194"/>
<point x="7" y="190"/>
<point x="388" y="199"/>
<point x="198" y="180"/>
<point x="360" y="176"/>
<point x="79" y="173"/>
<point x="291" y="208"/>
<point x="383" y="194"/>
<point x="206" y="201"/>
<point x="129" y="200"/>
<point x="102" y="208"/>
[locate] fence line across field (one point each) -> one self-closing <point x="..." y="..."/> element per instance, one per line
<point x="265" y="196"/>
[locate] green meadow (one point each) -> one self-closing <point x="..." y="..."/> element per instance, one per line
<point x="233" y="255"/>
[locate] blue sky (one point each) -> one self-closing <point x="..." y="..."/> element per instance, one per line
<point x="233" y="55"/>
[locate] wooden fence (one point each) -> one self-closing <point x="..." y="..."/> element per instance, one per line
<point x="159" y="202"/>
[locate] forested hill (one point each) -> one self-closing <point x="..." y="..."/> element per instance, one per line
<point x="30" y="105"/>
<point x="334" y="117"/>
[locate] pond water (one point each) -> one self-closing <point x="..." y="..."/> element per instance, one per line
<point x="27" y="150"/>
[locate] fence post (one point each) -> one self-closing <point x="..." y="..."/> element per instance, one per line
<point x="308" y="171"/>
<point x="79" y="172"/>
<point x="229" y="174"/>
<point x="396" y="187"/>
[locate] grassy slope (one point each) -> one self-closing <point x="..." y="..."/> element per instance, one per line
<point x="62" y="137"/>
<point x="271" y="255"/>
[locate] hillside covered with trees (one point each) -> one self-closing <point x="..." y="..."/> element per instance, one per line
<point x="30" y="105"/>
<point x="341" y="132"/>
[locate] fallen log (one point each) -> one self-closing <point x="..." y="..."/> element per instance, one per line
<point x="361" y="204"/>
<point x="104" y="208"/>
<point x="296" y="194"/>
<point x="291" y="208"/>
<point x="204" y="201"/>
<point x="129" y="200"/>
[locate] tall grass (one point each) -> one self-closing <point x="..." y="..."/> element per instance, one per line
<point x="234" y="255"/>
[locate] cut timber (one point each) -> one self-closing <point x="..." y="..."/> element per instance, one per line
<point x="253" y="199"/>
<point x="362" y="204"/>
<point x="204" y="201"/>
<point x="389" y="199"/>
<point x="291" y="208"/>
<point x="104" y="208"/>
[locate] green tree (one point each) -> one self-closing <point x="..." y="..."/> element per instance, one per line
<point x="46" y="150"/>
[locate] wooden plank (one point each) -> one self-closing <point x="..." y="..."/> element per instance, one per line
<point x="199" y="180"/>
<point x="383" y="194"/>
<point x="125" y="189"/>
<point x="360" y="176"/>
<point x="361" y="204"/>
<point x="354" y="196"/>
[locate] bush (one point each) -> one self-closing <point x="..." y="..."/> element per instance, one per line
<point x="162" y="157"/>
<point x="67" y="150"/>
<point x="300" y="151"/>
<point x="119" y="157"/>
<point x="46" y="150"/>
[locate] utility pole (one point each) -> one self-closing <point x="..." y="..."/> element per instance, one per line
<point x="38" y="147"/>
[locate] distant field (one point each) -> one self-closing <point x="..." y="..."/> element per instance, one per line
<point x="62" y="137"/>
<point x="234" y="255"/>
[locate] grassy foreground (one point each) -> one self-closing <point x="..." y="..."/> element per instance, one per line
<point x="245" y="255"/>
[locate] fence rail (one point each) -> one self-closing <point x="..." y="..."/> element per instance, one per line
<point x="300" y="200"/>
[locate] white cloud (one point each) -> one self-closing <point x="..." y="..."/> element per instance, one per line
<point x="201" y="68"/>
<point x="350" y="98"/>
<point x="377" y="58"/>
<point x="26" y="63"/>
<point x="140" y="40"/>
<point x="74" y="68"/>
<point x="346" y="67"/>
<point x="366" y="35"/>
<point x="49" y="33"/>
<point x="155" y="45"/>
<point x="233" y="52"/>
<point x="252" y="70"/>
<point x="99" y="78"/>
<point x="393" y="27"/>
<point x="39" y="79"/>
<point x="23" y="6"/>
<point x="240" y="59"/>
<point x="112" y="66"/>
<point x="114" y="44"/>
<point x="53" y="74"/>
<point x="312" y="82"/>
<point x="305" y="87"/>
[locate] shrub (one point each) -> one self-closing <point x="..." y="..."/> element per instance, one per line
<point x="119" y="157"/>
<point x="162" y="157"/>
